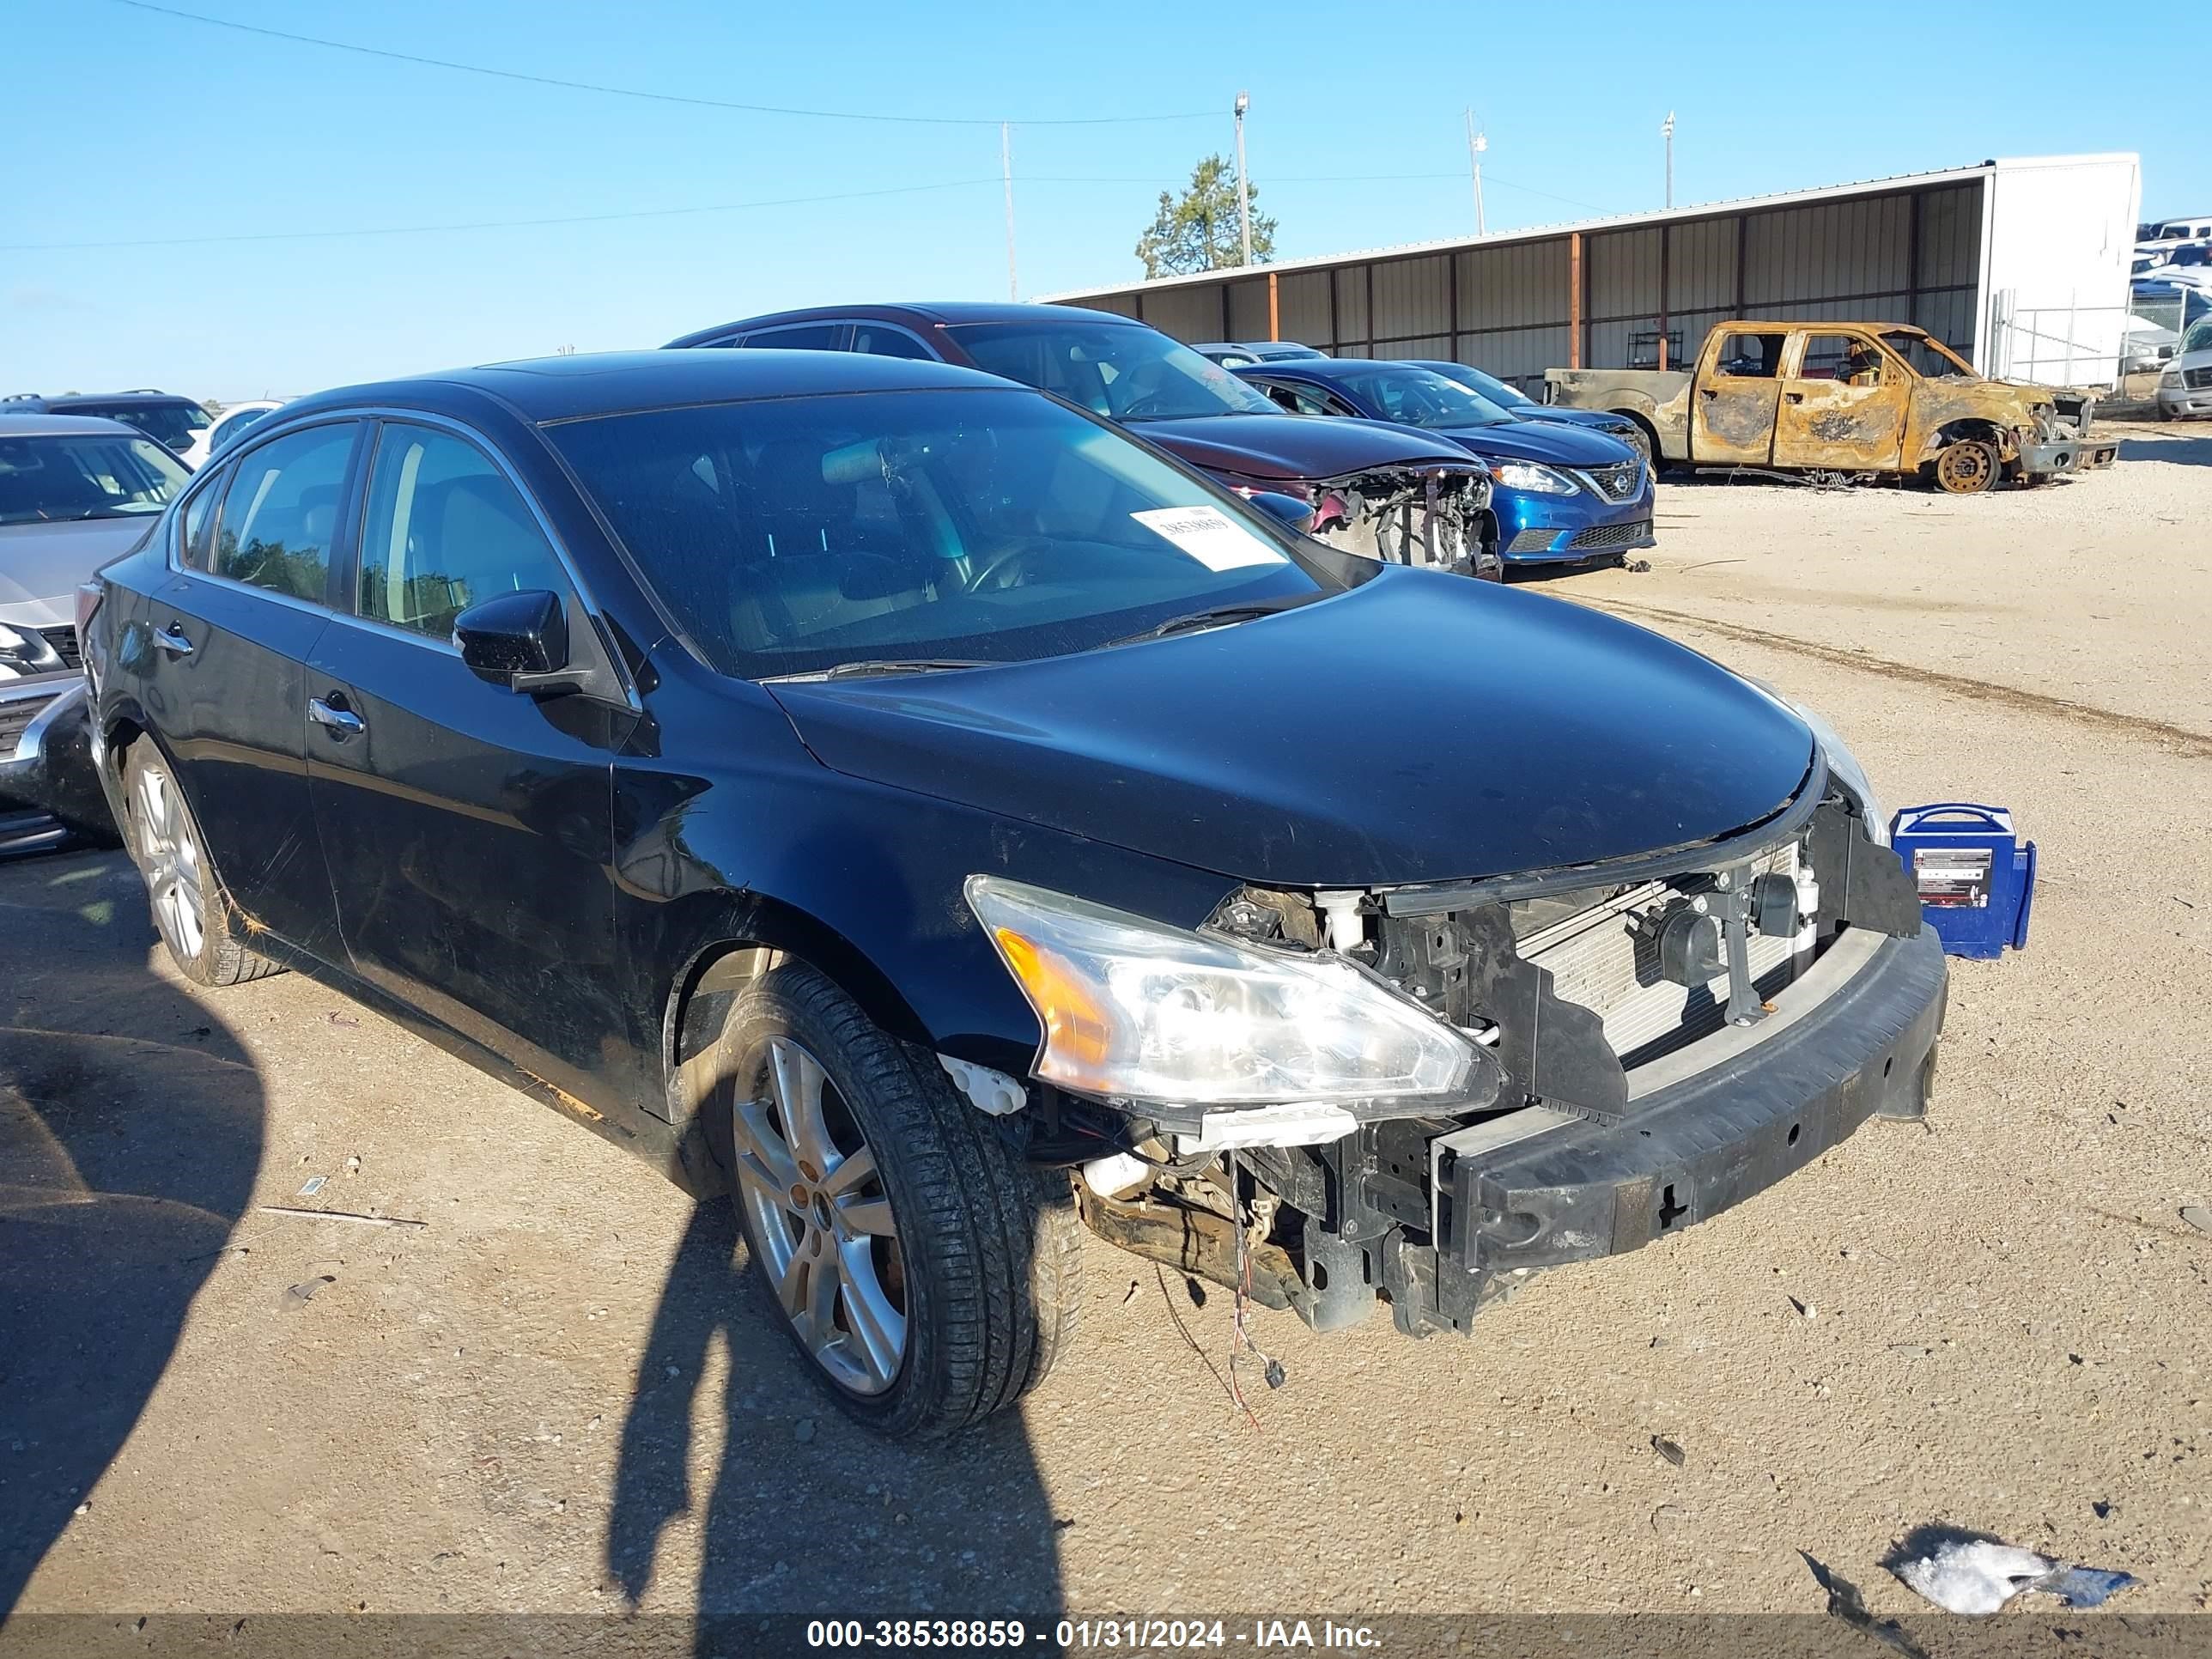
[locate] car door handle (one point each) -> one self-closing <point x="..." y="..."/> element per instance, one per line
<point x="172" y="640"/>
<point x="340" y="721"/>
<point x="1795" y="396"/>
<point x="1708" y="391"/>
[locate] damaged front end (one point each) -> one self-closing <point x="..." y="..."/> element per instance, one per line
<point x="1660" y="1037"/>
<point x="1433" y="516"/>
<point x="2058" y="441"/>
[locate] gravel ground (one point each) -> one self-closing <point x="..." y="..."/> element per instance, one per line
<point x="556" y="1394"/>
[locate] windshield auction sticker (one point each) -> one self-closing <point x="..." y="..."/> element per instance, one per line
<point x="1210" y="536"/>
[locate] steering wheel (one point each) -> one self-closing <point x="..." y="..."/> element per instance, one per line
<point x="1138" y="408"/>
<point x="1004" y="557"/>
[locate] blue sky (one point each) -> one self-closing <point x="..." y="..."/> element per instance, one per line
<point x="125" y="126"/>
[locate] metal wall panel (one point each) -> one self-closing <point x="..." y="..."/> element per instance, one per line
<point x="1121" y="305"/>
<point x="1951" y="237"/>
<point x="1412" y="300"/>
<point x="1351" y="307"/>
<point x="1303" y="305"/>
<point x="1701" y="265"/>
<point x="1831" y="249"/>
<point x="1522" y="285"/>
<point x="1621" y="273"/>
<point x="1854" y="258"/>
<point x="1519" y="354"/>
<point x="1188" y="313"/>
<point x="1248" y="309"/>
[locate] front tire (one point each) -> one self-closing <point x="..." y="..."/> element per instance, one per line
<point x="1967" y="467"/>
<point x="927" y="1275"/>
<point x="192" y="911"/>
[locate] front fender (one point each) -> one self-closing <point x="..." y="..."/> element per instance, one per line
<point x="864" y="881"/>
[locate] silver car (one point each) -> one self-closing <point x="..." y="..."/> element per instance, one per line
<point x="75" y="493"/>
<point x="2185" y="391"/>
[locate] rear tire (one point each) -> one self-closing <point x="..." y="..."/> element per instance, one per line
<point x="928" y="1276"/>
<point x="192" y="911"/>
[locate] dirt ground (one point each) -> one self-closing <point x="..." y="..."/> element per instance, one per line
<point x="554" y="1394"/>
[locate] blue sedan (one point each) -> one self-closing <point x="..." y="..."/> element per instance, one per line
<point x="1561" y="493"/>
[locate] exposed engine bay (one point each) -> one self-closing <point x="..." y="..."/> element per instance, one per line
<point x="1621" y="1020"/>
<point x="1437" y="517"/>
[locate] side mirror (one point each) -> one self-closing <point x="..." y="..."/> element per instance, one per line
<point x="1289" y="508"/>
<point x="516" y="640"/>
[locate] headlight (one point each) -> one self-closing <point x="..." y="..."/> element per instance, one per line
<point x="1843" y="767"/>
<point x="2172" y="377"/>
<point x="1527" y="475"/>
<point x="1134" y="1009"/>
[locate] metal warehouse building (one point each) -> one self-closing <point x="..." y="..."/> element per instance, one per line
<point x="2021" y="265"/>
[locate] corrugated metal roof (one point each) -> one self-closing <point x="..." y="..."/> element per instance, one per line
<point x="1612" y="221"/>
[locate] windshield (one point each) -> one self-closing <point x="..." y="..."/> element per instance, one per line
<point x="1419" y="397"/>
<point x="1126" y="372"/>
<point x="55" y="477"/>
<point x="172" y="425"/>
<point x="2199" y="337"/>
<point x="1930" y="358"/>
<point x="1504" y="396"/>
<point x="790" y="535"/>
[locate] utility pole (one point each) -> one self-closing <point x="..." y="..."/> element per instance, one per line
<point x="1243" y="189"/>
<point x="1007" y="172"/>
<point x="1476" y="143"/>
<point x="1667" y="132"/>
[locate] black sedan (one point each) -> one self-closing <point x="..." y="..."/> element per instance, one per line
<point x="905" y="799"/>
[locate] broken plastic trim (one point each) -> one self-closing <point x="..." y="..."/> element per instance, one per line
<point x="1737" y="847"/>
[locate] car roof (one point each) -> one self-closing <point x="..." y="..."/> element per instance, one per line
<point x="61" y="426"/>
<point x="142" y="398"/>
<point x="546" y="389"/>
<point x="914" y="313"/>
<point x="1321" y="368"/>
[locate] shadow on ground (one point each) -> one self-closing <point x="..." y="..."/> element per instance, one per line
<point x="805" y="1512"/>
<point x="2176" y="451"/>
<point x="130" y="1130"/>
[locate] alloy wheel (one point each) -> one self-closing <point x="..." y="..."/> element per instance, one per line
<point x="170" y="855"/>
<point x="822" y="1219"/>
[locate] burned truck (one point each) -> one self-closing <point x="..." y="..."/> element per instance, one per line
<point x="1851" y="399"/>
<point x="1371" y="487"/>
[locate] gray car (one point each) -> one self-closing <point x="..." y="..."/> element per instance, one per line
<point x="75" y="493"/>
<point x="2184" y="389"/>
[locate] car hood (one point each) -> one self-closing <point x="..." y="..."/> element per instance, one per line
<point x="1292" y="446"/>
<point x="1549" y="441"/>
<point x="1421" y="727"/>
<point x="46" y="561"/>
<point x="1556" y="415"/>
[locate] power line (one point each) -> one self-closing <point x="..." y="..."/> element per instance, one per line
<point x="685" y="212"/>
<point x="488" y="224"/>
<point x="640" y="93"/>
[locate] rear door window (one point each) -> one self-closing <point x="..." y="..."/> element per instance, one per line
<point x="883" y="340"/>
<point x="198" y="533"/>
<point x="280" y="512"/>
<point x="802" y="337"/>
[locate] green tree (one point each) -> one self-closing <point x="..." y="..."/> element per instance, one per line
<point x="1200" y="231"/>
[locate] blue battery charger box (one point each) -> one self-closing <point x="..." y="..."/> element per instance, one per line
<point x="1977" y="878"/>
